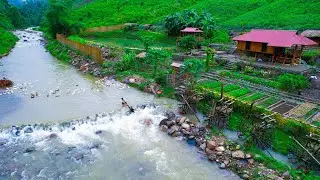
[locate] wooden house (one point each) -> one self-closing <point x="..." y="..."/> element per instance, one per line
<point x="276" y="45"/>
<point x="314" y="35"/>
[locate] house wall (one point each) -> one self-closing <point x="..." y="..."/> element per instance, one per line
<point x="255" y="47"/>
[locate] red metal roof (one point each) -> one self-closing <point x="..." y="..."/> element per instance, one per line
<point x="191" y="30"/>
<point x="277" y="38"/>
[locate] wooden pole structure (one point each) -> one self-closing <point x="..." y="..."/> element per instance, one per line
<point x="221" y="89"/>
<point x="306" y="150"/>
<point x="194" y="113"/>
<point x="294" y="54"/>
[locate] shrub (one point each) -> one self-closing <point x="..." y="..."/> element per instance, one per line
<point x="127" y="61"/>
<point x="292" y="82"/>
<point x="220" y="36"/>
<point x="248" y="69"/>
<point x="188" y="42"/>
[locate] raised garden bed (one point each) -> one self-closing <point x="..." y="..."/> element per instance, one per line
<point x="253" y="97"/>
<point x="302" y="110"/>
<point x="268" y="102"/>
<point x="240" y="92"/>
<point x="227" y="88"/>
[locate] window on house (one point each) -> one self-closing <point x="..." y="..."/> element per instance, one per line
<point x="248" y="45"/>
<point x="264" y="47"/>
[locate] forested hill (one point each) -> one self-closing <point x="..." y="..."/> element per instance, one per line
<point x="284" y="14"/>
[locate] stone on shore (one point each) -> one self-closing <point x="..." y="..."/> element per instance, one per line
<point x="220" y="149"/>
<point x="185" y="126"/>
<point x="164" y="128"/>
<point x="238" y="154"/>
<point x="222" y="166"/>
<point x="211" y="145"/>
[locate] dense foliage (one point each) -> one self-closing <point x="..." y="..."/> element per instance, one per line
<point x="10" y="16"/>
<point x="57" y="19"/>
<point x="8" y="40"/>
<point x="292" y="82"/>
<point x="286" y="14"/>
<point x="193" y="67"/>
<point x="33" y="11"/>
<point x="189" y="18"/>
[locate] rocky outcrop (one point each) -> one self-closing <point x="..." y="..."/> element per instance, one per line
<point x="217" y="148"/>
<point x="5" y="83"/>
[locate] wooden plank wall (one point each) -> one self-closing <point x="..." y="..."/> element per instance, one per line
<point x="94" y="52"/>
<point x="255" y="47"/>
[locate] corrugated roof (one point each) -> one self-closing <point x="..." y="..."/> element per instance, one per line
<point x="311" y="33"/>
<point x="191" y="30"/>
<point x="277" y="38"/>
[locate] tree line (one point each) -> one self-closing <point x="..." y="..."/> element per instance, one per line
<point x="28" y="13"/>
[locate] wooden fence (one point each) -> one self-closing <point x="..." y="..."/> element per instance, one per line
<point x="105" y="28"/>
<point x="94" y="52"/>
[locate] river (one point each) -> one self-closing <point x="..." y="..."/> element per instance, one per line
<point x="60" y="141"/>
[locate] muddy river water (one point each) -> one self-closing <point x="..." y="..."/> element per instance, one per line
<point x="57" y="140"/>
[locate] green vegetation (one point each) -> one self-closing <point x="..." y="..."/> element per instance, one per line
<point x="190" y="18"/>
<point x="310" y="113"/>
<point x="252" y="79"/>
<point x="286" y="14"/>
<point x="193" y="68"/>
<point x="292" y="82"/>
<point x="253" y="97"/>
<point x="8" y="40"/>
<point x="268" y="102"/>
<point x="131" y="39"/>
<point x="58" y="50"/>
<point x="240" y="92"/>
<point x="188" y="42"/>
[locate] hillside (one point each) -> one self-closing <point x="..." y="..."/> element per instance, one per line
<point x="284" y="14"/>
<point x="289" y="14"/>
<point x="9" y="19"/>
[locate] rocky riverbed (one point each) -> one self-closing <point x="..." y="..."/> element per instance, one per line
<point x="218" y="149"/>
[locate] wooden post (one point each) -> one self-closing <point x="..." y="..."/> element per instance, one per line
<point x="294" y="54"/>
<point x="221" y="89"/>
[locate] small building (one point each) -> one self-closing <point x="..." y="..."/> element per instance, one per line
<point x="283" y="46"/>
<point x="191" y="31"/>
<point x="314" y="35"/>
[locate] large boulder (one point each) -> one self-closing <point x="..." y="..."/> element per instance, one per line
<point x="238" y="154"/>
<point x="185" y="126"/>
<point x="220" y="149"/>
<point x="211" y="145"/>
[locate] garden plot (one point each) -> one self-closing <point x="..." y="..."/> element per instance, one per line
<point x="253" y="97"/>
<point x="283" y="107"/>
<point x="268" y="102"/>
<point x="316" y="119"/>
<point x="240" y="92"/>
<point x="302" y="111"/>
<point x="227" y="88"/>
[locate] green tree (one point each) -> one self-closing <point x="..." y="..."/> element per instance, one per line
<point x="57" y="18"/>
<point x="158" y="58"/>
<point x="188" y="42"/>
<point x="210" y="57"/>
<point x="193" y="68"/>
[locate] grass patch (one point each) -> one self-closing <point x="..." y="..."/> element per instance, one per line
<point x="131" y="39"/>
<point x="58" y="50"/>
<point x="227" y="88"/>
<point x="281" y="142"/>
<point x="240" y="92"/>
<point x="268" y="102"/>
<point x="7" y="40"/>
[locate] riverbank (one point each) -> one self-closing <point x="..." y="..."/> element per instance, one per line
<point x="218" y="149"/>
<point x="65" y="54"/>
<point x="8" y="41"/>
